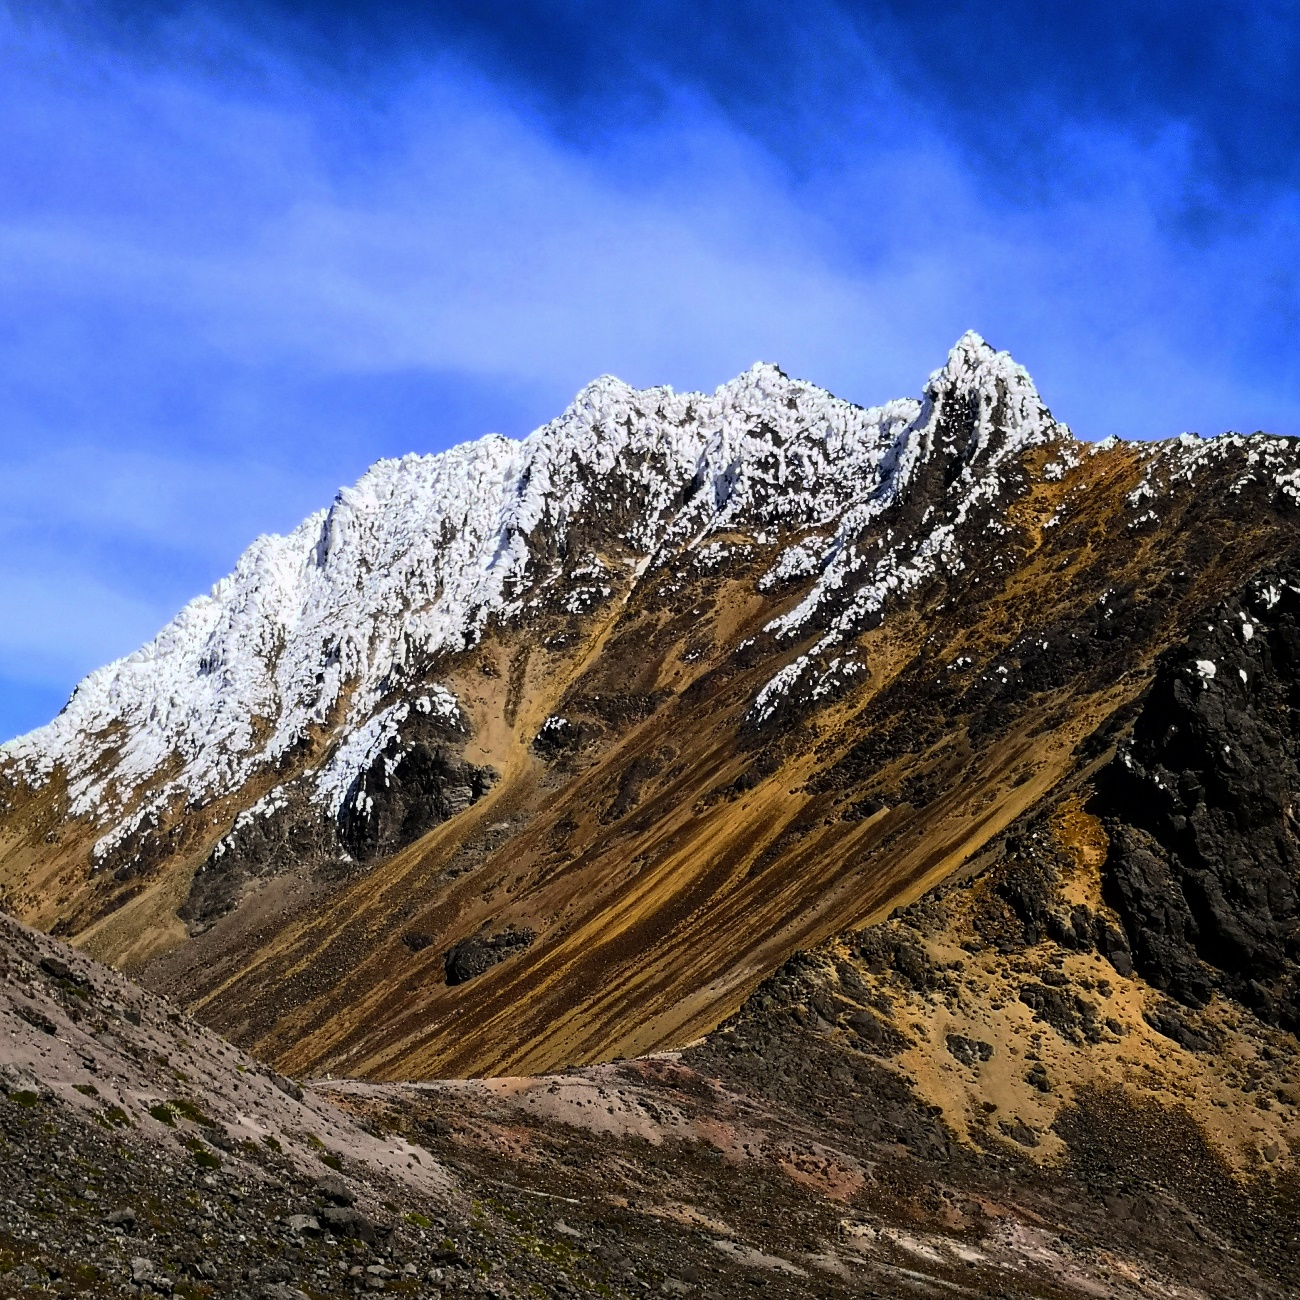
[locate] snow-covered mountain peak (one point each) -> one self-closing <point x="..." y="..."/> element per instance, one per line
<point x="318" y="630"/>
<point x="1007" y="396"/>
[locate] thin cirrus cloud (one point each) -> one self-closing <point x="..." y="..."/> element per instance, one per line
<point x="232" y="274"/>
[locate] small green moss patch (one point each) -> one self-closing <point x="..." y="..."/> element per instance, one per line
<point x="188" y="1110"/>
<point x="204" y="1158"/>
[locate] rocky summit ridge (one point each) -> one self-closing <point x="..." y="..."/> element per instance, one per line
<point x="841" y="851"/>
<point x="317" y="632"/>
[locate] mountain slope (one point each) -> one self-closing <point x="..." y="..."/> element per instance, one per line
<point x="140" y="1154"/>
<point x="551" y="751"/>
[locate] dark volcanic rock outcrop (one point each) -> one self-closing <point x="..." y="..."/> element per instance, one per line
<point x="1204" y="861"/>
<point x="479" y="953"/>
<point x="279" y="841"/>
<point x="417" y="782"/>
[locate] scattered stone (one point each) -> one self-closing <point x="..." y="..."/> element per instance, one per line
<point x="1018" y="1131"/>
<point x="344" y="1221"/>
<point x="286" y="1086"/>
<point x="36" y="1018"/>
<point x="473" y="956"/>
<point x="282" y="1291"/>
<point x="60" y="970"/>
<point x="334" y="1189"/>
<point x="1037" y="1077"/>
<point x="969" y="1051"/>
<point x="1173" y="1023"/>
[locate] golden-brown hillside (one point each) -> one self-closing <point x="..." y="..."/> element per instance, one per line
<point x="849" y="651"/>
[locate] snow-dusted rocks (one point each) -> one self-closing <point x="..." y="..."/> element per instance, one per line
<point x="959" y="457"/>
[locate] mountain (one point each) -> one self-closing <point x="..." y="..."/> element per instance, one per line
<point x="631" y="710"/>
<point x="910" y="788"/>
<point x="490" y="670"/>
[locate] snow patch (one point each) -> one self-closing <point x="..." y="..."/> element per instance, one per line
<point x="797" y="561"/>
<point x="357" y="754"/>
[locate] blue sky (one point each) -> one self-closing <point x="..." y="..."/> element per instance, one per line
<point x="245" y="249"/>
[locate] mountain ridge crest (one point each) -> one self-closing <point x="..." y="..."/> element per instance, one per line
<point x="199" y="686"/>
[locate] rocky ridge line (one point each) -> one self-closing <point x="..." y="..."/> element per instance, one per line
<point x="314" y="632"/>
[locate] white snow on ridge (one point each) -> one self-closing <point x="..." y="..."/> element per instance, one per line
<point x="1264" y="459"/>
<point x="1003" y="389"/>
<point x="1009" y="418"/>
<point x="357" y="752"/>
<point x="423" y="552"/>
<point x="798" y="561"/>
